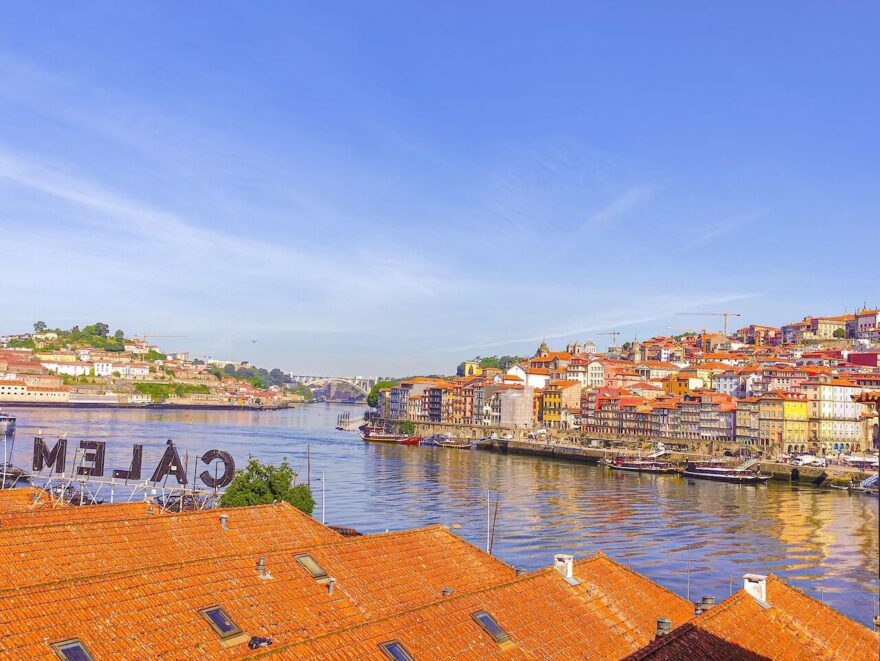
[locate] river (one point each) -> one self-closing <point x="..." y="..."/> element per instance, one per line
<point x="694" y="537"/>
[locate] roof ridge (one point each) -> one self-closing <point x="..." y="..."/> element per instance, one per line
<point x="599" y="555"/>
<point x="163" y="513"/>
<point x="40" y="587"/>
<point x="800" y="592"/>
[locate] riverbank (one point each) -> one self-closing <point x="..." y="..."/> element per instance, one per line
<point x="151" y="406"/>
<point x="825" y="476"/>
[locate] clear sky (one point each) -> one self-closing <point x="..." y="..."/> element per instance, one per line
<point x="390" y="188"/>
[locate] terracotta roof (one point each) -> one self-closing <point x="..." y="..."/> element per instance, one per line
<point x="611" y="613"/>
<point x="795" y="626"/>
<point x="155" y="613"/>
<point x="27" y="499"/>
<point x="31" y="555"/>
<point x="59" y="512"/>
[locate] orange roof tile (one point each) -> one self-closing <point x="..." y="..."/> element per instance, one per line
<point x="30" y="555"/>
<point x="60" y="512"/>
<point x="612" y="612"/>
<point x="376" y="576"/>
<point x="795" y="626"/>
<point x="26" y="499"/>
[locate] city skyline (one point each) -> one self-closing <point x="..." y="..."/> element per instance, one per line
<point x="391" y="191"/>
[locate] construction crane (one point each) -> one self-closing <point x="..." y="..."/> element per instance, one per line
<point x="723" y="315"/>
<point x="143" y="337"/>
<point x="613" y="335"/>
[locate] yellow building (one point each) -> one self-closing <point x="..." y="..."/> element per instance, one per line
<point x="56" y="356"/>
<point x="794" y="421"/>
<point x="783" y="422"/>
<point x="471" y="368"/>
<point x="551" y="407"/>
<point x="682" y="383"/>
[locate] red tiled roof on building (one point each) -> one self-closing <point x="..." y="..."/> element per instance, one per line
<point x="29" y="555"/>
<point x="610" y="612"/>
<point x="787" y="625"/>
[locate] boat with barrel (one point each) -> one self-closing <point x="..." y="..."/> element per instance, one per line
<point x="719" y="472"/>
<point x="379" y="435"/>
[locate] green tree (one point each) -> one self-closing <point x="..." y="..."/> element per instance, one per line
<point x="408" y="428"/>
<point x="261" y="484"/>
<point x="491" y="362"/>
<point x="373" y="396"/>
<point x="39" y="326"/>
<point x="839" y="333"/>
<point x="119" y="336"/>
<point x="102" y="329"/>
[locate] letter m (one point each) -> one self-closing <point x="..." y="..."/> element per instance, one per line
<point x="55" y="457"/>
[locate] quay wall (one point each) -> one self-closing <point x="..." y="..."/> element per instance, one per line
<point x="582" y="452"/>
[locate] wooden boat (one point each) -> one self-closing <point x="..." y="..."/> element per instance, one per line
<point x="710" y="470"/>
<point x="374" y="435"/>
<point x="635" y="465"/>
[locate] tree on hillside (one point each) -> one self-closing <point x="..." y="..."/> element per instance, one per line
<point x="39" y="326"/>
<point x="491" y="362"/>
<point x="262" y="484"/>
<point x="373" y="395"/>
<point x="119" y="336"/>
<point x="102" y="329"/>
<point x="839" y="333"/>
<point x="408" y="428"/>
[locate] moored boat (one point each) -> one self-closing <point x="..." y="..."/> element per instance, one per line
<point x="710" y="470"/>
<point x="375" y="435"/>
<point x="456" y="443"/>
<point x="635" y="465"/>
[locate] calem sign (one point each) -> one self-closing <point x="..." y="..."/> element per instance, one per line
<point x="92" y="463"/>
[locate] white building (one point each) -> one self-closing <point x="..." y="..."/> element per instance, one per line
<point x="516" y="407"/>
<point x="103" y="369"/>
<point x="69" y="369"/>
<point x="533" y="377"/>
<point x="835" y="421"/>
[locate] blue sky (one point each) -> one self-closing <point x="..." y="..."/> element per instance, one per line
<point x="389" y="188"/>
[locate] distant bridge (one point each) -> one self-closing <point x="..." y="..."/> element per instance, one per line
<point x="361" y="383"/>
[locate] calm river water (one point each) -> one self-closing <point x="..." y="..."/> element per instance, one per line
<point x="825" y="543"/>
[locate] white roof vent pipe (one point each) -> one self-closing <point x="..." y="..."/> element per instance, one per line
<point x="755" y="586"/>
<point x="564" y="564"/>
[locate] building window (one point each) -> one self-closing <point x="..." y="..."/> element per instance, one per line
<point x="220" y="622"/>
<point x="72" y="650"/>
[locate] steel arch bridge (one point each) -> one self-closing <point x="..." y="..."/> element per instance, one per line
<point x="361" y="383"/>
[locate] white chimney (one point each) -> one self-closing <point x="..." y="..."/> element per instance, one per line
<point x="756" y="586"/>
<point x="564" y="564"/>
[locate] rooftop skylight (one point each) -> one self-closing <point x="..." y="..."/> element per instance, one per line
<point x="488" y="622"/>
<point x="311" y="565"/>
<point x="72" y="650"/>
<point x="394" y="649"/>
<point x="220" y="622"/>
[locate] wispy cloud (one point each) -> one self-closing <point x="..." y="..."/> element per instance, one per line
<point x="648" y="309"/>
<point x="708" y="233"/>
<point x="618" y="208"/>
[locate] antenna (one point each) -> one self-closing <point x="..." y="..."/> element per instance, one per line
<point x="689" y="573"/>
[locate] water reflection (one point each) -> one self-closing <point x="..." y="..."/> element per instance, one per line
<point x="826" y="543"/>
